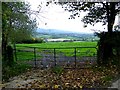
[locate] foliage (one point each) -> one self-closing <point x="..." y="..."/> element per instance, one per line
<point x="31" y="40"/>
<point x="107" y="42"/>
<point x="16" y="21"/>
<point x="104" y="12"/>
<point x="16" y="69"/>
<point x="58" y="70"/>
<point x="117" y="28"/>
<point x="16" y="24"/>
<point x="96" y="11"/>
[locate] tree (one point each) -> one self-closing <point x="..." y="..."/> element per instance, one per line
<point x="16" y="24"/>
<point x="104" y="12"/>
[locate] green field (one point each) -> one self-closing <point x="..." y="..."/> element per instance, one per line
<point x="59" y="44"/>
<point x="26" y="51"/>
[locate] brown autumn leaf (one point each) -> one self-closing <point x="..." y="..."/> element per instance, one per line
<point x="69" y="78"/>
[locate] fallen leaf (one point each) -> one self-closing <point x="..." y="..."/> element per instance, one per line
<point x="56" y="86"/>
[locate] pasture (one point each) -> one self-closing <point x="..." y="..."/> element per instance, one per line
<point x="59" y="44"/>
<point x="26" y="51"/>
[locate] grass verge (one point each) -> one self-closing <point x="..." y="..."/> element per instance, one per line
<point x="15" y="70"/>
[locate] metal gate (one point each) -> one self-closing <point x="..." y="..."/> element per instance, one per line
<point x="67" y="57"/>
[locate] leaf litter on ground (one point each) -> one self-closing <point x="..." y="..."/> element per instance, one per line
<point x="69" y="78"/>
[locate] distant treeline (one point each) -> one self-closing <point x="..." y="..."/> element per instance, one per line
<point x="31" y="40"/>
<point x="41" y="40"/>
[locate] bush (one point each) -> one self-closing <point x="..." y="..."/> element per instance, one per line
<point x="30" y="41"/>
<point x="58" y="70"/>
<point x="108" y="47"/>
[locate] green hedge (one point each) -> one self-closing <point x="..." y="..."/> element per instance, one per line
<point x="32" y="40"/>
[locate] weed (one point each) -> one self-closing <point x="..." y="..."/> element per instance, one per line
<point x="58" y="70"/>
<point x="15" y="70"/>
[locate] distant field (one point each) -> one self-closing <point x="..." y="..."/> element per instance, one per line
<point x="59" y="44"/>
<point x="68" y="52"/>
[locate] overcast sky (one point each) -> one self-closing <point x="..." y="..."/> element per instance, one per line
<point x="55" y="17"/>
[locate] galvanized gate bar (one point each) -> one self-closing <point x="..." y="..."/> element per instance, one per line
<point x="35" y="56"/>
<point x="55" y="53"/>
<point x="55" y="56"/>
<point x="75" y="56"/>
<point x="61" y="47"/>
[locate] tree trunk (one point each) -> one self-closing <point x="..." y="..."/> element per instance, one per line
<point x="4" y="48"/>
<point x="7" y="53"/>
<point x="10" y="55"/>
<point x="105" y="50"/>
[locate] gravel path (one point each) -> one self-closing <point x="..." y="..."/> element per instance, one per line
<point x="116" y="84"/>
<point x="26" y="78"/>
<point x="48" y="60"/>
